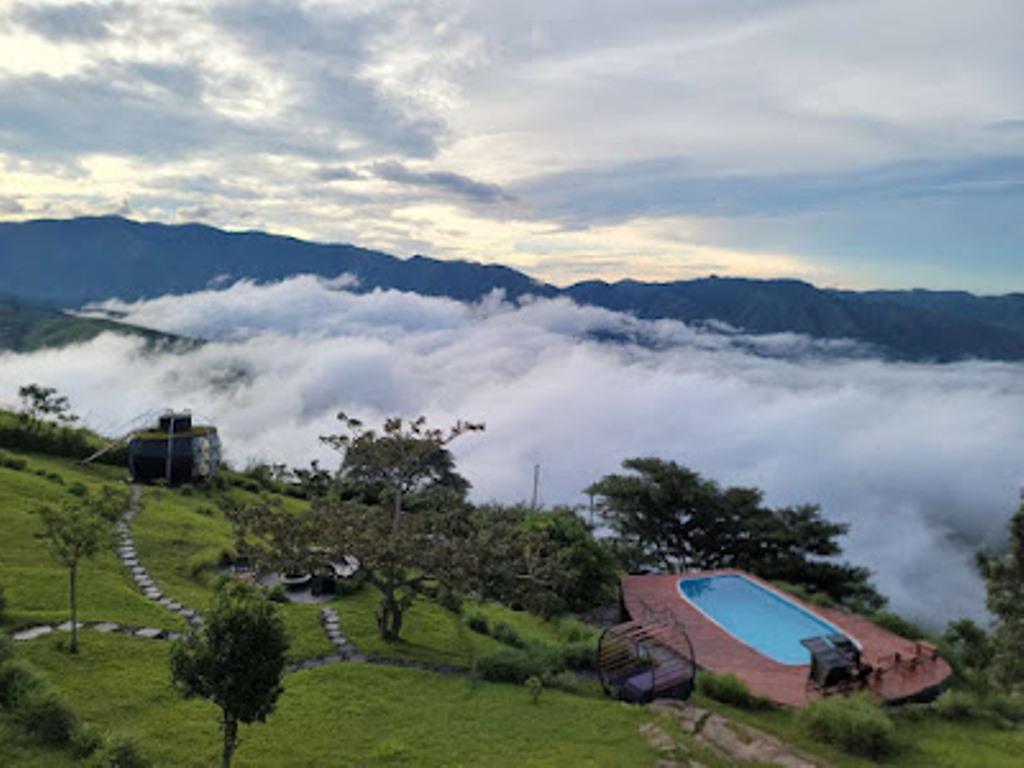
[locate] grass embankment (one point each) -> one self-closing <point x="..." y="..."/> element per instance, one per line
<point x="347" y="714"/>
<point x="36" y="586"/>
<point x="921" y="738"/>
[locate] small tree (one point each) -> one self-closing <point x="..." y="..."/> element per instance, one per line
<point x="40" y="405"/>
<point x="1004" y="582"/>
<point x="236" y="659"/>
<point x="76" y="531"/>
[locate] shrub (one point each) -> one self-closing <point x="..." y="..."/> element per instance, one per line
<point x="505" y="633"/>
<point x="477" y="622"/>
<point x="87" y="741"/>
<point x="898" y="625"/>
<point x="12" y="462"/>
<point x="535" y="687"/>
<point x="449" y="599"/>
<point x="278" y="594"/>
<point x="78" y="489"/>
<point x="123" y="754"/>
<point x="856" y="725"/>
<point x="3" y="606"/>
<point x="6" y="648"/>
<point x="47" y="719"/>
<point x="958" y="705"/>
<point x="574" y="631"/>
<point x="1007" y="707"/>
<point x="581" y="656"/>
<point x="563" y="681"/>
<point x="729" y="689"/>
<point x="509" y="665"/>
<point x="18" y="682"/>
<point x="54" y="477"/>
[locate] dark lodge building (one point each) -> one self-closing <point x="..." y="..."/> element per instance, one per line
<point x="175" y="451"/>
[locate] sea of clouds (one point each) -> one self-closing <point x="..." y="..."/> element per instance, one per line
<point x="921" y="460"/>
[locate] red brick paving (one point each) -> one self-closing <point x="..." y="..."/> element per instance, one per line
<point x="904" y="668"/>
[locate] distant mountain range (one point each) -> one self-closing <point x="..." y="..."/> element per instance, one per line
<point x="70" y="262"/>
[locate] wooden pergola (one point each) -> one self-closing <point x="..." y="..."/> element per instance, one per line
<point x="646" y="659"/>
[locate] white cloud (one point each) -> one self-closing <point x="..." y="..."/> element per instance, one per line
<point x="921" y="460"/>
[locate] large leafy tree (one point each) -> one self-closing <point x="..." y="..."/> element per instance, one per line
<point x="236" y="659"/>
<point x="77" y="530"/>
<point x="546" y="561"/>
<point x="1004" y="581"/>
<point x="396" y="504"/>
<point x="399" y="507"/>
<point x="667" y="517"/>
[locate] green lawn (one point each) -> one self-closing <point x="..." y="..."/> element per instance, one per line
<point x="35" y="585"/>
<point x="346" y="714"/>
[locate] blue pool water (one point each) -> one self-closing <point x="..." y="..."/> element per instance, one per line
<point x="759" y="617"/>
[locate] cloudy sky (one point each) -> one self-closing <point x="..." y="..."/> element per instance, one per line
<point x="857" y="143"/>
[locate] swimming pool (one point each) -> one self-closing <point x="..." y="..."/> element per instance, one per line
<point x="757" y="616"/>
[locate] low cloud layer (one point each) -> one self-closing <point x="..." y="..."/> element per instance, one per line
<point x="922" y="460"/>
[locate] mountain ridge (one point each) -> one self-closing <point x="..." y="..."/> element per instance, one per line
<point x="75" y="261"/>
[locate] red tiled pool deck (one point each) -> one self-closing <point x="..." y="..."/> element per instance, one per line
<point x="904" y="668"/>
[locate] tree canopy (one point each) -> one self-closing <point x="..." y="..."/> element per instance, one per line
<point x="667" y="517"/>
<point x="1004" y="582"/>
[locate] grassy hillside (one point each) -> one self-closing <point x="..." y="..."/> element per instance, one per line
<point x="27" y="328"/>
<point x="339" y="714"/>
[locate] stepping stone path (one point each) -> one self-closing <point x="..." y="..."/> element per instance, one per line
<point x="126" y="551"/>
<point x="332" y="626"/>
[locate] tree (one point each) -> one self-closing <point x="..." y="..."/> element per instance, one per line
<point x="670" y="518"/>
<point x="546" y="561"/>
<point x="40" y="405"/>
<point x="407" y="467"/>
<point x="1004" y="583"/>
<point x="236" y="659"/>
<point x="76" y="531"/>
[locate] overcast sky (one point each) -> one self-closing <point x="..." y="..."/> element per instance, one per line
<point x="857" y="143"/>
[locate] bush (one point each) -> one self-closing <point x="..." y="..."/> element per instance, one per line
<point x="12" y="462"/>
<point x="581" y="656"/>
<point x="505" y="633"/>
<point x="856" y="725"/>
<point x="54" y="477"/>
<point x="123" y="754"/>
<point x="563" y="681"/>
<point x="535" y="687"/>
<point x="6" y="648"/>
<point x="78" y="489"/>
<point x="278" y="594"/>
<point x="477" y="622"/>
<point x="47" y="719"/>
<point x="574" y="631"/>
<point x="3" y="605"/>
<point x="1006" y="707"/>
<point x="958" y="705"/>
<point x="729" y="689"/>
<point x="18" y="682"/>
<point x="509" y="665"/>
<point x="898" y="625"/>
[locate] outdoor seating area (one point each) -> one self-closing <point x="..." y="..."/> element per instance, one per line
<point x="836" y="665"/>
<point x="893" y="668"/>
